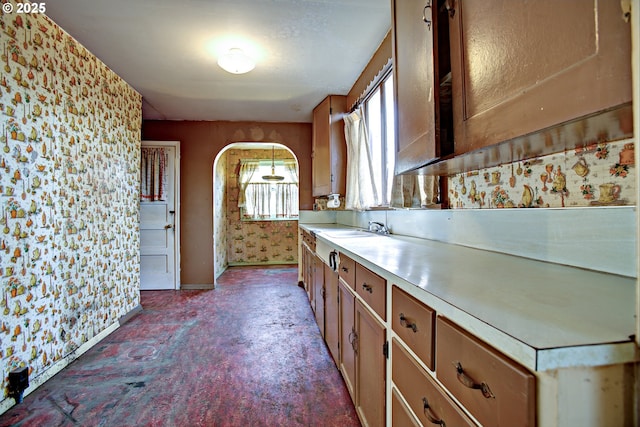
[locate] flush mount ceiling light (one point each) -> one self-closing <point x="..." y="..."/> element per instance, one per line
<point x="273" y="176"/>
<point x="236" y="61"/>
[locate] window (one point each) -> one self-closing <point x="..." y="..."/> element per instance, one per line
<point x="380" y="117"/>
<point x="264" y="200"/>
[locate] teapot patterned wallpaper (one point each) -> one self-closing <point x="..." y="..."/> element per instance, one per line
<point x="69" y="182"/>
<point x="596" y="174"/>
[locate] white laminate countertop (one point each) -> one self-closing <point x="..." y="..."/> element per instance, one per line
<point x="541" y="314"/>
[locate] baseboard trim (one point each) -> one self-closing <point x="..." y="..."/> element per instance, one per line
<point x="36" y="382"/>
<point x="262" y="264"/>
<point x="196" y="286"/>
<point x="130" y="315"/>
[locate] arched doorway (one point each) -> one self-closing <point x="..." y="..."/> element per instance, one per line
<point x="241" y="241"/>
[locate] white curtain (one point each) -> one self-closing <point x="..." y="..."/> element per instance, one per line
<point x="286" y="200"/>
<point x="415" y="191"/>
<point x="153" y="179"/>
<point x="292" y="169"/>
<point x="257" y="200"/>
<point x="263" y="199"/>
<point x="361" y="188"/>
<point x="247" y="170"/>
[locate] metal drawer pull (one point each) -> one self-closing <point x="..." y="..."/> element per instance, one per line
<point x="429" y="414"/>
<point x="345" y="269"/>
<point x="367" y="288"/>
<point x="469" y="382"/>
<point x="404" y="322"/>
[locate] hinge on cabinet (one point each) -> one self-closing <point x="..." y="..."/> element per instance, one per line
<point x="385" y="349"/>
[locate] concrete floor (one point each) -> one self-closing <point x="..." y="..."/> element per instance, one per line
<point x="247" y="353"/>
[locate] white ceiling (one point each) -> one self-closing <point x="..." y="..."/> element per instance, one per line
<point x="168" y="49"/>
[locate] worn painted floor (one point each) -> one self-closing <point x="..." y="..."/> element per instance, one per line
<point x="245" y="354"/>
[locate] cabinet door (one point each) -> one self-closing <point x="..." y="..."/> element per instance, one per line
<point x="318" y="291"/>
<point x="331" y="314"/>
<point x="329" y="147"/>
<point x="308" y="269"/>
<point x="416" y="83"/>
<point x="347" y="336"/>
<point x="370" y="368"/>
<point x="534" y="65"/>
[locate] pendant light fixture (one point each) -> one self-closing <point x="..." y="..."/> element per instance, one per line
<point x="273" y="176"/>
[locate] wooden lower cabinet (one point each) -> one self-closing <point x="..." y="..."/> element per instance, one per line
<point x="400" y="415"/>
<point x="362" y="358"/>
<point x="346" y="308"/>
<point x="414" y="322"/>
<point x="372" y="289"/>
<point x="370" y="367"/>
<point x="347" y="270"/>
<point x="307" y="272"/>
<point x="331" y="313"/>
<point x="426" y="398"/>
<point x="494" y="389"/>
<point x="318" y="291"/>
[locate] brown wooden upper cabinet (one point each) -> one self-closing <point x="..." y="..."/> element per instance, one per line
<point x="329" y="152"/>
<point x="422" y="80"/>
<point x="471" y="74"/>
<point x="520" y="67"/>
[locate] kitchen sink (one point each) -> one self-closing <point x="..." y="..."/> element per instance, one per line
<point x="344" y="234"/>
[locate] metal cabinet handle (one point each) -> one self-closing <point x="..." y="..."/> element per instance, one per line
<point x="469" y="382"/>
<point x="429" y="414"/>
<point x="450" y="5"/>
<point x="345" y="269"/>
<point x="404" y="322"/>
<point x="168" y="226"/>
<point x="353" y="340"/>
<point x="424" y="15"/>
<point x="367" y="288"/>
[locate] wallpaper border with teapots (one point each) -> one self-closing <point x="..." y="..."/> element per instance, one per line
<point x="70" y="153"/>
<point x="596" y="174"/>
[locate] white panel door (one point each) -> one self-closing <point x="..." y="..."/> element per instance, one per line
<point x="157" y="236"/>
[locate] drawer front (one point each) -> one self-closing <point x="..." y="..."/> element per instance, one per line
<point x="414" y="323"/>
<point x="427" y="399"/>
<point x="494" y="389"/>
<point x="347" y="271"/>
<point x="309" y="239"/>
<point x="400" y="415"/>
<point x="372" y="288"/>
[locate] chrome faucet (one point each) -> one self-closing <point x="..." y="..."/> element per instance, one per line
<point x="378" y="227"/>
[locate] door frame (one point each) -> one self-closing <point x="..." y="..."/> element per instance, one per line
<point x="176" y="201"/>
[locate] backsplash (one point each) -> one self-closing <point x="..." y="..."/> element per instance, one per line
<point x="69" y="183"/>
<point x="599" y="174"/>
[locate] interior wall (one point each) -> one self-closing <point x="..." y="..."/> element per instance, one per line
<point x="220" y="223"/>
<point x="256" y="242"/>
<point x="69" y="257"/>
<point x="200" y="143"/>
